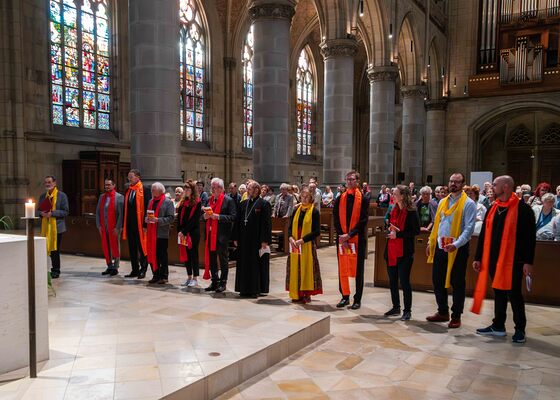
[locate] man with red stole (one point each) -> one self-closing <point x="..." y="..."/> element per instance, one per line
<point x="109" y="222"/>
<point x="505" y="252"/>
<point x="350" y="213"/>
<point x="219" y="216"/>
<point x="136" y="202"/>
<point x="53" y="208"/>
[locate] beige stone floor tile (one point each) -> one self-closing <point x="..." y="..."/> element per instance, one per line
<point x="170" y="385"/>
<point x="493" y="387"/>
<point x="299" y="386"/>
<point x="137" y="389"/>
<point x="104" y="361"/>
<point x="92" y="376"/>
<point x="180" y="370"/>
<point x="137" y="373"/>
<point x="42" y="394"/>
<point x="135" y="359"/>
<point x="103" y="391"/>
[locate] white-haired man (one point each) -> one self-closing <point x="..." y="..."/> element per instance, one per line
<point x="159" y="216"/>
<point x="219" y="216"/>
<point x="284" y="203"/>
<point x="426" y="209"/>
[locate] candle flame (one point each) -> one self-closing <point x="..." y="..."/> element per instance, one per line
<point x="29" y="201"/>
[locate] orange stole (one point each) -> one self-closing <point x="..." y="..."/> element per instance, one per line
<point x="347" y="262"/>
<point x="139" y="213"/>
<point x="504" y="266"/>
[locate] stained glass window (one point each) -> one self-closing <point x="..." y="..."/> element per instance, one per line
<point x="247" y="58"/>
<point x="192" y="52"/>
<point x="304" y="104"/>
<point x="80" y="63"/>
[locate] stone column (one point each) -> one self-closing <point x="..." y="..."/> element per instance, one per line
<point x="382" y="124"/>
<point x="435" y="140"/>
<point x="339" y="102"/>
<point x="413" y="130"/>
<point x="154" y="91"/>
<point x="271" y="29"/>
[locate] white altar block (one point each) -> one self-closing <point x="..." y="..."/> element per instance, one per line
<point x="14" y="314"/>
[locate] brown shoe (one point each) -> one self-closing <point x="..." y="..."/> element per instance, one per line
<point x="437" y="317"/>
<point x="455" y="323"/>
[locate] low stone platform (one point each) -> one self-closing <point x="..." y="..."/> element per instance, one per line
<point x="117" y="338"/>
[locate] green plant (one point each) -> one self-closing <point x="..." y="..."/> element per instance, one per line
<point x="6" y="223"/>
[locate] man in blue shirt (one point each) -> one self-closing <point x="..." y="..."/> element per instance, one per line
<point x="447" y="243"/>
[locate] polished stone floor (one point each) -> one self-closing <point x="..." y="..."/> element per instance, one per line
<point x="105" y="344"/>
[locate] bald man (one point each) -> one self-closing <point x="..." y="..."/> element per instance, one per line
<point x="505" y="252"/>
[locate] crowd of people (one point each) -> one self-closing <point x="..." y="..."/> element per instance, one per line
<point x="507" y="219"/>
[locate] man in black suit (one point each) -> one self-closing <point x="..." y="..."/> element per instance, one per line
<point x="219" y="216"/>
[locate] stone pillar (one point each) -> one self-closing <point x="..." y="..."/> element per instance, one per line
<point x="154" y="91"/>
<point x="435" y="140"/>
<point x="271" y="29"/>
<point x="339" y="102"/>
<point x="413" y="130"/>
<point x="382" y="125"/>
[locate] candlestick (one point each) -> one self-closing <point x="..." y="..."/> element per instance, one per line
<point x="30" y="209"/>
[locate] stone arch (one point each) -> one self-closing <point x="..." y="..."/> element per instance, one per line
<point x="408" y="50"/>
<point x="372" y="27"/>
<point x="435" y="73"/>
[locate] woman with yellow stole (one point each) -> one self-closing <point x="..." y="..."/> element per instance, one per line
<point x="303" y="275"/>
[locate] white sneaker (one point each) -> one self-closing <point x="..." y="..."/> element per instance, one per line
<point x="187" y="282"/>
<point x="193" y="283"/>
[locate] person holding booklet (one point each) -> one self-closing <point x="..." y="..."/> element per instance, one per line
<point x="448" y="250"/>
<point x="252" y="234"/>
<point x="189" y="212"/>
<point x="350" y="214"/>
<point x="303" y="274"/>
<point x="404" y="226"/>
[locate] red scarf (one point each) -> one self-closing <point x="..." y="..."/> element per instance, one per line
<point x="395" y="246"/>
<point x="152" y="232"/>
<point x="139" y="189"/>
<point x="347" y="263"/>
<point x="111" y="221"/>
<point x="183" y="257"/>
<point x="504" y="266"/>
<point x="211" y="232"/>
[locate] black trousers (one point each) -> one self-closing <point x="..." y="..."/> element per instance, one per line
<point x="515" y="297"/>
<point x="192" y="263"/>
<point x="162" y="271"/>
<point x="135" y="249"/>
<point x="359" y="273"/>
<point x="55" y="255"/>
<point x="458" y="281"/>
<point x="221" y="255"/>
<point x="401" y="272"/>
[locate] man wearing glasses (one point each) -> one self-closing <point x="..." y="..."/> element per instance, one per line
<point x="448" y="250"/>
<point x="350" y="213"/>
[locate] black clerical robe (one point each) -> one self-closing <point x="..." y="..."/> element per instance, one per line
<point x="253" y="226"/>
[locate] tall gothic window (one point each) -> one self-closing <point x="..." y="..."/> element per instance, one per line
<point x="304" y="117"/>
<point x="80" y="61"/>
<point x="248" y="90"/>
<point x="192" y="66"/>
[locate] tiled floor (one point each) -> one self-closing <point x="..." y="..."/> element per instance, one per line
<point x="105" y="344"/>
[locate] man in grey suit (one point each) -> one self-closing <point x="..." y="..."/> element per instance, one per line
<point x="53" y="204"/>
<point x="109" y="222"/>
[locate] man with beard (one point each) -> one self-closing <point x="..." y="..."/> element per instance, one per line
<point x="253" y="231"/>
<point x="109" y="222"/>
<point x="448" y="250"/>
<point x="505" y="251"/>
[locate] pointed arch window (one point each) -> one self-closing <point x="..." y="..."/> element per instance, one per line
<point x="305" y="104"/>
<point x="80" y="51"/>
<point x="247" y="58"/>
<point x="192" y="66"/>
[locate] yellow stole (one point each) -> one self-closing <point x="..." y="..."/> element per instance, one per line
<point x="48" y="225"/>
<point x="455" y="230"/>
<point x="244" y="197"/>
<point x="303" y="260"/>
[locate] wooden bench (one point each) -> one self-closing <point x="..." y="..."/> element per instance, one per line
<point x="280" y="234"/>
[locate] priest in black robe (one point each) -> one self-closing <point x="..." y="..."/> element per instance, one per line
<point x="252" y="235"/>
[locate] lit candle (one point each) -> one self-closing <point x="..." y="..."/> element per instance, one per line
<point x="29" y="209"/>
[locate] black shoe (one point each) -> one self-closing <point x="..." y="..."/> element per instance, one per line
<point x="114" y="272"/>
<point x="210" y="288"/>
<point x="141" y="274"/>
<point x="355" y="306"/>
<point x="221" y="288"/>
<point x="132" y="275"/>
<point x="106" y="272"/>
<point x="393" y="311"/>
<point x="153" y="280"/>
<point x="55" y="275"/>
<point x="162" y="281"/>
<point x="406" y="316"/>
<point x="343" y="303"/>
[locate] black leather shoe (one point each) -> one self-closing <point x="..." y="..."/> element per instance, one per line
<point x="55" y="275"/>
<point x="210" y="288"/>
<point x="393" y="311"/>
<point x="106" y="272"/>
<point x="343" y="303"/>
<point x="114" y="272"/>
<point x="132" y="275"/>
<point x="355" y="306"/>
<point x="153" y="280"/>
<point x="221" y="288"/>
<point x="142" y="275"/>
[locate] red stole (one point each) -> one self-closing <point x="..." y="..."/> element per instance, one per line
<point x="111" y="221"/>
<point x="348" y="262"/>
<point x="211" y="232"/>
<point x="395" y="246"/>
<point x="183" y="257"/>
<point x="152" y="232"/>
<point x="504" y="266"/>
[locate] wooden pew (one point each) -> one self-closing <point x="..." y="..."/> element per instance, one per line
<point x="327" y="225"/>
<point x="546" y="273"/>
<point x="280" y="234"/>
